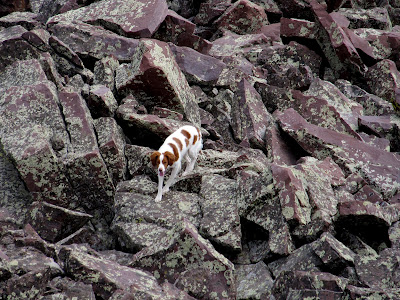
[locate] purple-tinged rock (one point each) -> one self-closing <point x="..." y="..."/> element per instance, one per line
<point x="198" y="68"/>
<point x="220" y="221"/>
<point x="379" y="168"/>
<point x="94" y="42"/>
<point x="64" y="287"/>
<point x="155" y="77"/>
<point x="384" y="81"/>
<point x="104" y="71"/>
<point x="117" y="16"/>
<point x="297" y="28"/>
<point x="376" y="17"/>
<point x="65" y="51"/>
<point x="7" y="6"/>
<point x="250" y="118"/>
<point x="38" y="38"/>
<point x="106" y="276"/>
<point x="211" y="10"/>
<point x="166" y="113"/>
<point x="26" y="19"/>
<point x="243" y="17"/>
<point x="14" y="47"/>
<point x="112" y="147"/>
<point x="53" y="222"/>
<point x="279" y="151"/>
<point x="190" y="262"/>
<point x="253" y="281"/>
<point x="101" y="101"/>
<point x="338" y="49"/>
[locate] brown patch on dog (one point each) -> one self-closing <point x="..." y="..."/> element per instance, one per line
<point x="175" y="149"/>
<point x="186" y="134"/>
<point x="170" y="158"/>
<point x="155" y="158"/>
<point x="198" y="131"/>
<point x="187" y="142"/>
<point x="178" y="141"/>
<point x="195" y="139"/>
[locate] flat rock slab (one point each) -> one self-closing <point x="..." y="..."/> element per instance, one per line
<point x="156" y="79"/>
<point x="117" y="16"/>
<point x="379" y="168"/>
<point x="190" y="262"/>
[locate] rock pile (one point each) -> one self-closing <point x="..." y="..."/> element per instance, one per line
<point x="296" y="193"/>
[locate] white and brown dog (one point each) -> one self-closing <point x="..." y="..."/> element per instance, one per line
<point x="186" y="143"/>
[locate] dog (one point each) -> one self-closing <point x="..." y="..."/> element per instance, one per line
<point x="186" y="143"/>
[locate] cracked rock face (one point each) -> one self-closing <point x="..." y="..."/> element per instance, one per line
<point x="295" y="194"/>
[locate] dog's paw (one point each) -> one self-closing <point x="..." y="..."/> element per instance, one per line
<point x="165" y="189"/>
<point x="157" y="199"/>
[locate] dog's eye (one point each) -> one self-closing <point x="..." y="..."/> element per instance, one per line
<point x="165" y="162"/>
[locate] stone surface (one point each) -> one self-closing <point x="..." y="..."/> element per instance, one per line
<point x="101" y="101"/>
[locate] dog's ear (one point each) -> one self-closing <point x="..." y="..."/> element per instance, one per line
<point x="154" y="157"/>
<point x="170" y="157"/>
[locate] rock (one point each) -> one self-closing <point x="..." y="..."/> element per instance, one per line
<point x="13" y="6"/>
<point x="54" y="223"/>
<point x="242" y="17"/>
<point x="350" y="154"/>
<point x="65" y="51"/>
<point x="85" y="162"/>
<point x="190" y="262"/>
<point x="298" y="28"/>
<point x="26" y="19"/>
<point x="138" y="159"/>
<point x="210" y="10"/>
<point x="105" y="276"/>
<point x="250" y="118"/>
<point x="112" y="147"/>
<point x="101" y="101"/>
<point x="11" y="38"/>
<point x="338" y="49"/>
<point x="81" y="36"/>
<point x="377" y="17"/>
<point x="384" y="81"/>
<point x="372" y="104"/>
<point x="104" y="71"/>
<point x="154" y="66"/>
<point x="299" y="285"/>
<point x="64" y="287"/>
<point x="253" y="281"/>
<point x="114" y="15"/>
<point x="220" y="222"/>
<point x="198" y="68"/>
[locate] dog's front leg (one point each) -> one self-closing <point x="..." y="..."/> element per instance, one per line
<point x="160" y="188"/>
<point x="170" y="181"/>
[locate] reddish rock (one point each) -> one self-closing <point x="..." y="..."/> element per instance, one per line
<point x="54" y="223"/>
<point x="250" y="118"/>
<point x="198" y="68"/>
<point x="384" y="81"/>
<point x="362" y="46"/>
<point x="27" y="20"/>
<point x="167" y="113"/>
<point x="65" y="51"/>
<point x="38" y="38"/>
<point x="242" y="17"/>
<point x="7" y="6"/>
<point x="117" y="16"/>
<point x="253" y="281"/>
<point x="81" y="37"/>
<point x="101" y="101"/>
<point x="376" y="17"/>
<point x="104" y="71"/>
<point x="154" y="72"/>
<point x="279" y="151"/>
<point x="297" y="28"/>
<point x="338" y="49"/>
<point x="111" y="141"/>
<point x="211" y="10"/>
<point x="378" y="167"/>
<point x="182" y="258"/>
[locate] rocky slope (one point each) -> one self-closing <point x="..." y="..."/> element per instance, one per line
<point x="296" y="193"/>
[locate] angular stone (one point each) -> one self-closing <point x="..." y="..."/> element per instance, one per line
<point x="297" y="28"/>
<point x="220" y="221"/>
<point x="26" y="19"/>
<point x="7" y="7"/>
<point x="14" y="47"/>
<point x="279" y="152"/>
<point x="111" y="141"/>
<point x="362" y="292"/>
<point x="380" y="272"/>
<point x="198" y="68"/>
<point x="93" y="42"/>
<point x="242" y="17"/>
<point x="107" y="276"/>
<point x="250" y="117"/>
<point x="378" y="167"/>
<point x="211" y="10"/>
<point x="101" y="101"/>
<point x="301" y="285"/>
<point x="190" y="262"/>
<point x="116" y="16"/>
<point x="64" y="287"/>
<point x="154" y="73"/>
<point x="253" y="281"/>
<point x="104" y="71"/>
<point x="138" y="159"/>
<point x="38" y="38"/>
<point x="54" y="223"/>
<point x="338" y="49"/>
<point x="86" y="168"/>
<point x="384" y="81"/>
<point x="64" y="50"/>
<point x="372" y="104"/>
<point x="376" y="17"/>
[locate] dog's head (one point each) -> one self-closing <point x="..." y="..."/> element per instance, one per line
<point x="162" y="161"/>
